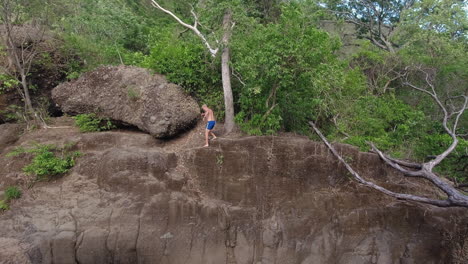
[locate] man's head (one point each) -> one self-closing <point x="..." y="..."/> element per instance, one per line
<point x="204" y="107"/>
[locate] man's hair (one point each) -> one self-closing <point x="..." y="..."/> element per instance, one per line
<point x="204" y="105"/>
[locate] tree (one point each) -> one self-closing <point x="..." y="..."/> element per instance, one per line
<point x="376" y="20"/>
<point x="22" y="46"/>
<point x="213" y="48"/>
<point x="453" y="109"/>
<point x="446" y="17"/>
<point x="287" y="82"/>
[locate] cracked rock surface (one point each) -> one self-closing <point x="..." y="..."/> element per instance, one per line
<point x="249" y="200"/>
<point x="132" y="96"/>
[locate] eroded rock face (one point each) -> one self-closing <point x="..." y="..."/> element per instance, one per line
<point x="131" y="95"/>
<point x="248" y="200"/>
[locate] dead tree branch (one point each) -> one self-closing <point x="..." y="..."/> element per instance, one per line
<point x="409" y="197"/>
<point x="430" y="90"/>
<point x="424" y="170"/>
<point x="213" y="51"/>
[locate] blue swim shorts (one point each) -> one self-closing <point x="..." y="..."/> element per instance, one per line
<point x="210" y="125"/>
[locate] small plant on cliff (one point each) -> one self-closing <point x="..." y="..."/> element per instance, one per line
<point x="220" y="159"/>
<point x="12" y="192"/>
<point x="48" y="160"/>
<point x="4" y="205"/>
<point x="92" y="123"/>
<point x="132" y="93"/>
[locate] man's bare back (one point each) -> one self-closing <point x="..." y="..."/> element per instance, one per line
<point x="210" y="118"/>
<point x="209" y="115"/>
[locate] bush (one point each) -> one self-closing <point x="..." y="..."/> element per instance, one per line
<point x="92" y="123"/>
<point x="386" y="121"/>
<point x="48" y="160"/>
<point x="7" y="82"/>
<point x="4" y="205"/>
<point x="12" y="192"/>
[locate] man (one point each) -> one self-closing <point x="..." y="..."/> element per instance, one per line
<point x="209" y="116"/>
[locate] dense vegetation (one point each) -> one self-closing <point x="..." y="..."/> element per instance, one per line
<point x="286" y="68"/>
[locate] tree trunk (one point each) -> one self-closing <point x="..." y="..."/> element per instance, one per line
<point x="226" y="74"/>
<point x="225" y="58"/>
<point x="27" y="98"/>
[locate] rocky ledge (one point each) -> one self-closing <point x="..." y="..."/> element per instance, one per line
<point x="134" y="199"/>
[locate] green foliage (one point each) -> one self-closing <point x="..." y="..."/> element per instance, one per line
<point x="92" y="32"/>
<point x="185" y="62"/>
<point x="289" y="82"/>
<point x="455" y="165"/>
<point x="12" y="113"/>
<point x="12" y="192"/>
<point x="92" y="123"/>
<point x="4" y="205"/>
<point x="7" y="82"/>
<point x="48" y="160"/>
<point x="386" y="121"/>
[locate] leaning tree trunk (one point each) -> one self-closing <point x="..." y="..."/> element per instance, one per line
<point x="226" y="75"/>
<point x="27" y="98"/>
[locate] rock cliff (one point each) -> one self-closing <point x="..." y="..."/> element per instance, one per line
<point x="134" y="199"/>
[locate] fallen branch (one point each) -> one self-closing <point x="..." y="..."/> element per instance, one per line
<point x="408" y="197"/>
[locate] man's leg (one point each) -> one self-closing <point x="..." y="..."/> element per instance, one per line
<point x="214" y="136"/>
<point x="207" y="132"/>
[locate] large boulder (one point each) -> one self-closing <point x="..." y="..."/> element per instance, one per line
<point x="132" y="96"/>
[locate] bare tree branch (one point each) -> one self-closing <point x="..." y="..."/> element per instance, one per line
<point x="396" y="164"/>
<point x="237" y="75"/>
<point x="429" y="79"/>
<point x="409" y="197"/>
<point x="396" y="161"/>
<point x="455" y="198"/>
<point x="213" y="51"/>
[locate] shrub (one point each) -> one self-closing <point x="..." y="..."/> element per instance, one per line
<point x="133" y="94"/>
<point x="4" y="205"/>
<point x="92" y="123"/>
<point x="48" y="160"/>
<point x="386" y="121"/>
<point x="12" y="192"/>
<point x="7" y="82"/>
<point x="12" y="113"/>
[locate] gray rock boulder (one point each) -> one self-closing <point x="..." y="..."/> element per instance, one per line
<point x="132" y="96"/>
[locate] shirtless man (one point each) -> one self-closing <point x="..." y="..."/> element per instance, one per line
<point x="209" y="116"/>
